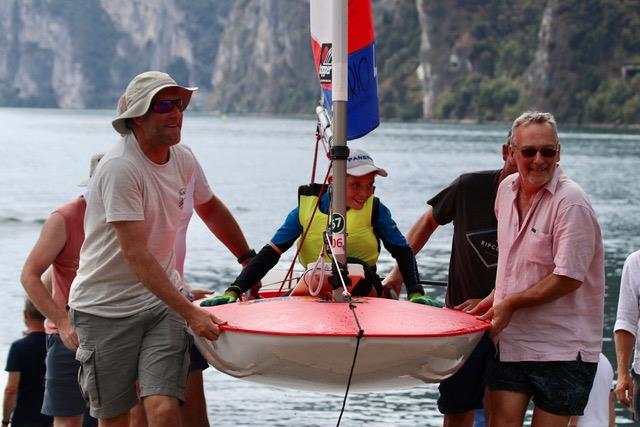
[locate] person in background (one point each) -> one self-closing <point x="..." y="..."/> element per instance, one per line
<point x="368" y="221"/>
<point x="467" y="202"/>
<point x="601" y="407"/>
<point x="625" y="336"/>
<point x="547" y="308"/>
<point x="25" y="365"/>
<point x="125" y="301"/>
<point x="57" y="254"/>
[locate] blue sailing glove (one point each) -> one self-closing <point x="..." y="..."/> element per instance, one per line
<point x="226" y="298"/>
<point x="424" y="300"/>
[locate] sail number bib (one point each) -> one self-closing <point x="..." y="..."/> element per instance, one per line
<point x="337" y="234"/>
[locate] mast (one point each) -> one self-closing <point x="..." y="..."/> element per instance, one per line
<point x="339" y="151"/>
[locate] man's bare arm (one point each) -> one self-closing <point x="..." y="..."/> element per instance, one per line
<point x="52" y="239"/>
<point x="548" y="289"/>
<point x="132" y="238"/>
<point x="223" y="225"/>
<point x="624" y="341"/>
<point x="417" y="237"/>
<point x="10" y="395"/>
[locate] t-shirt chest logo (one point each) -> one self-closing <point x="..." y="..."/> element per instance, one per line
<point x="485" y="244"/>
<point x="182" y="194"/>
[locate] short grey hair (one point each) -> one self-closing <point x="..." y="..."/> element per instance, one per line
<point x="535" y="117"/>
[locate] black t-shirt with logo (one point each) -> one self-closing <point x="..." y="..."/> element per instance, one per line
<point x="468" y="202"/>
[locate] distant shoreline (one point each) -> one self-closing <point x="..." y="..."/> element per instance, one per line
<point x="570" y="125"/>
<point x="305" y="116"/>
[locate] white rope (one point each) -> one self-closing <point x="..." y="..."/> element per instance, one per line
<point x="314" y="291"/>
<point x="345" y="292"/>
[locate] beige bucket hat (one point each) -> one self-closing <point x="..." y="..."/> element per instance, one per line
<point x="137" y="97"/>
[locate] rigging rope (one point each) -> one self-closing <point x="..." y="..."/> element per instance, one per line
<point x="345" y="293"/>
<point x="359" y="336"/>
<point x="289" y="276"/>
<point x="353" y="365"/>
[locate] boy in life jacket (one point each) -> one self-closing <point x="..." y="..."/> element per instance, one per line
<point x="369" y="222"/>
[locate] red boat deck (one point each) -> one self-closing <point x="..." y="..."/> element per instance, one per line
<point x="378" y="317"/>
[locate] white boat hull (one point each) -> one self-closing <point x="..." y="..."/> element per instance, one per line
<point x="323" y="363"/>
<point x="306" y="344"/>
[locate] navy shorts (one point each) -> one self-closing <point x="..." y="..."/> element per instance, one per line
<point x="560" y="388"/>
<point x="62" y="395"/>
<point x="198" y="362"/>
<point x="464" y="390"/>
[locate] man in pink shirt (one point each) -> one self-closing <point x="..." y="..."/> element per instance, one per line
<point x="547" y="307"/>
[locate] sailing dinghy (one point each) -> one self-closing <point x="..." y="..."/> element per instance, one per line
<point x="333" y="342"/>
<point x="308" y="343"/>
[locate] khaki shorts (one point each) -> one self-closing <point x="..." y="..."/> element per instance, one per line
<point x="151" y="347"/>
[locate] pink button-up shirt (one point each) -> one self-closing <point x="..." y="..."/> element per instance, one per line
<point x="560" y="235"/>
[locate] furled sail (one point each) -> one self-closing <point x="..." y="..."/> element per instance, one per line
<point x="362" y="106"/>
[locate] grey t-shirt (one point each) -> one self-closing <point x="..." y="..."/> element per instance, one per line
<point x="127" y="186"/>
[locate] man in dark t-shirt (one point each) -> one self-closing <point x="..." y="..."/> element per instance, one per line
<point x="468" y="202"/>
<point x="25" y="365"/>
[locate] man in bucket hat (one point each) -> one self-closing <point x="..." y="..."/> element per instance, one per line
<point x="125" y="304"/>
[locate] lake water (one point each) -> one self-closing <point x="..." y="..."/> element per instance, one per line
<point x="255" y="165"/>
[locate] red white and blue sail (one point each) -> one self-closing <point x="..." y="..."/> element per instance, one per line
<point x="362" y="107"/>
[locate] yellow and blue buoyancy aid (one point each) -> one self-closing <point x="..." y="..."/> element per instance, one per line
<point x="362" y="243"/>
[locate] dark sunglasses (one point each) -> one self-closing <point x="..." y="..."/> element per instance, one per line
<point x="531" y="152"/>
<point x="164" y="106"/>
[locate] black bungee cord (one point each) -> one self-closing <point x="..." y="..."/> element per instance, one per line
<point x="359" y="336"/>
<point x="355" y="357"/>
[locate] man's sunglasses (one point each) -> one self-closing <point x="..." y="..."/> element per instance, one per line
<point x="164" y="106"/>
<point x="531" y="152"/>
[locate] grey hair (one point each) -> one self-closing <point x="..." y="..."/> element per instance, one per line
<point x="535" y="117"/>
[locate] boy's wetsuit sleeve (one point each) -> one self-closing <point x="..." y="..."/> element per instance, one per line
<point x="387" y="231"/>
<point x="268" y="257"/>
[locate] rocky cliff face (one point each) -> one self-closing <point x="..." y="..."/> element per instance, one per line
<point x="490" y="60"/>
<point x="37" y="61"/>
<point x="245" y="55"/>
<point x="457" y="59"/>
<point x="264" y="60"/>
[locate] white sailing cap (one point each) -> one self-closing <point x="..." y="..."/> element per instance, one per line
<point x="137" y="98"/>
<point x="360" y="163"/>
